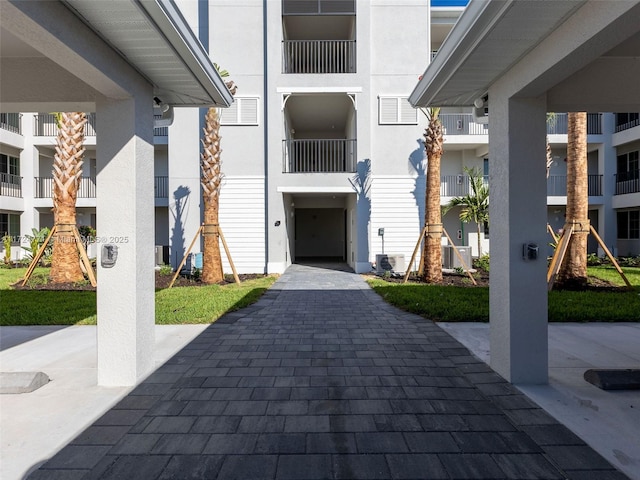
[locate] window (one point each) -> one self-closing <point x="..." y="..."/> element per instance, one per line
<point x="396" y="111"/>
<point x="9" y="165"/>
<point x="629" y="224"/>
<point x="10" y="225"/>
<point x="243" y="111"/>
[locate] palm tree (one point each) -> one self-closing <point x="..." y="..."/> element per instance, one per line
<point x="211" y="181"/>
<point x="432" y="252"/>
<point x="573" y="271"/>
<point x="67" y="169"/>
<point x="475" y="204"/>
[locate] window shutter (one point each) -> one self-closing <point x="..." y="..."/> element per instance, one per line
<point x="396" y="111"/>
<point x="243" y="111"/>
<point x="408" y="114"/>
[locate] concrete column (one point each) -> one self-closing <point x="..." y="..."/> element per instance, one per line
<point x="518" y="210"/>
<point x="125" y="219"/>
<point x="185" y="198"/>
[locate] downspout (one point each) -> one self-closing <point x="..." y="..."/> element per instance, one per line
<point x="266" y="133"/>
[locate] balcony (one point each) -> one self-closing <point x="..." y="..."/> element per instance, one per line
<point x="319" y="56"/>
<point x="625" y="121"/>
<point x="45" y="125"/>
<point x="11" y="122"/>
<point x="557" y="125"/>
<point x="557" y="185"/>
<point x="458" y="185"/>
<point x="627" y="182"/>
<point x="161" y="187"/>
<point x="462" y="124"/>
<point x="43" y="187"/>
<point x="319" y="156"/>
<point x="10" y="185"/>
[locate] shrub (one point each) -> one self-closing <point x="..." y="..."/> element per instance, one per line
<point x="166" y="270"/>
<point x="482" y="263"/>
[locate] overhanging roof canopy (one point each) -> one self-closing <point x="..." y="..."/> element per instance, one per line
<point x="154" y="38"/>
<point x="489" y="37"/>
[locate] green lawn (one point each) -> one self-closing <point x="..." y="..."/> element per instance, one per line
<point x="179" y="305"/>
<point x="460" y="304"/>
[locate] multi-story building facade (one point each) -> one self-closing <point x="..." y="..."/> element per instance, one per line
<point x="321" y="148"/>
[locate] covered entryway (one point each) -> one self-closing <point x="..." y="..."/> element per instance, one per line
<point x="321" y="227"/>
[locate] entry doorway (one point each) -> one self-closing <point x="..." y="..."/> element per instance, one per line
<point x="320" y="234"/>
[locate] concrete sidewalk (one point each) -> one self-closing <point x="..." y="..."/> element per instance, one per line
<point x="319" y="379"/>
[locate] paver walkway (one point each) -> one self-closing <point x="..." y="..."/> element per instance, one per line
<point x="322" y="379"/>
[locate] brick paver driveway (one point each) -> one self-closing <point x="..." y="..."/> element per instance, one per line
<point x="322" y="379"/>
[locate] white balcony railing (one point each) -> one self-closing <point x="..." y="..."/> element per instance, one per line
<point x="43" y="187"/>
<point x="462" y="124"/>
<point x="558" y="124"/>
<point x="319" y="156"/>
<point x="45" y="125"/>
<point x="458" y="185"/>
<point x="319" y="56"/>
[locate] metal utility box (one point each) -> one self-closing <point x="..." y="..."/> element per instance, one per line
<point x="393" y="263"/>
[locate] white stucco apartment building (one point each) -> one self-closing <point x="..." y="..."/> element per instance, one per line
<point x="321" y="149"/>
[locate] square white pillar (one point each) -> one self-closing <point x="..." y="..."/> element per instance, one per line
<point x="518" y="216"/>
<point x="125" y="220"/>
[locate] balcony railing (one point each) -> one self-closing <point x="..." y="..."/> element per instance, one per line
<point x="557" y="185"/>
<point x="462" y="124"/>
<point x="161" y="187"/>
<point x="45" y="125"/>
<point x="456" y="185"/>
<point x="11" y="122"/>
<point x="634" y="122"/>
<point x="43" y="187"/>
<point x="627" y="182"/>
<point x="557" y="125"/>
<point x="319" y="156"/>
<point x="319" y="56"/>
<point x="160" y="131"/>
<point x="10" y="185"/>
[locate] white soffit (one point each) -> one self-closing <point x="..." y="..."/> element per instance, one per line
<point x="153" y="36"/>
<point x="489" y="37"/>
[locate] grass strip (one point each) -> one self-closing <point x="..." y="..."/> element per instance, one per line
<point x="460" y="304"/>
<point x="179" y="305"/>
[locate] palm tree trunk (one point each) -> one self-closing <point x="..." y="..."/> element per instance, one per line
<point x="432" y="253"/>
<point x="211" y="181"/>
<point x="67" y="169"/>
<point x="573" y="272"/>
<point x="479" y="228"/>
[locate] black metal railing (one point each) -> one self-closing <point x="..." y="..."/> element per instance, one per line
<point x="319" y="156"/>
<point x="11" y="122"/>
<point x="319" y="56"/>
<point x="627" y="182"/>
<point x="45" y="125"/>
<point x="10" y="185"/>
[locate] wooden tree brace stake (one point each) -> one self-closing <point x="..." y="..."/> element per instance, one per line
<point x="184" y="259"/>
<point x="413" y="256"/>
